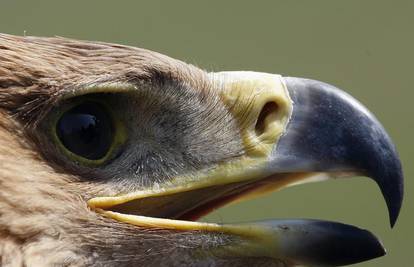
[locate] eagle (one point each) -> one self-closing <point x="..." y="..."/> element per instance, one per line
<point x="109" y="155"/>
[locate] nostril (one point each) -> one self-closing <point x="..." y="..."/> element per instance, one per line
<point x="268" y="111"/>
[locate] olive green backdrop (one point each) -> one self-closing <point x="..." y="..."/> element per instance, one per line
<point x="364" y="47"/>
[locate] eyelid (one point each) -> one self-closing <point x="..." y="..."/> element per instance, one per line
<point x="96" y="88"/>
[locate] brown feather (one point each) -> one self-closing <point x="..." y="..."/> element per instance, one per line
<point x="44" y="219"/>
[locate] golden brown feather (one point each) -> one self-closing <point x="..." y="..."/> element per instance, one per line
<point x="44" y="219"/>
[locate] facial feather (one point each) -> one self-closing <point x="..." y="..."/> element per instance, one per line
<point x="44" y="219"/>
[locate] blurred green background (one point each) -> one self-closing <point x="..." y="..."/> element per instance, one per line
<point x="364" y="47"/>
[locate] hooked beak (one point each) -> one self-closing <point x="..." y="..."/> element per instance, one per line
<point x="331" y="132"/>
<point x="293" y="130"/>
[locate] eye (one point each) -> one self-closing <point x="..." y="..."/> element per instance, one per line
<point x="86" y="130"/>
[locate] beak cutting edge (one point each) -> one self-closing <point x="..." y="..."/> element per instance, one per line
<point x="330" y="131"/>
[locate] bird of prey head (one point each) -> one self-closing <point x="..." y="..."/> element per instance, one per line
<point x="109" y="154"/>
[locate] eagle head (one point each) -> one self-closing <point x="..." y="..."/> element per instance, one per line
<point x="109" y="154"/>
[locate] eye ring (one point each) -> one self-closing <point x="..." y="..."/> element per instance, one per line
<point x="88" y="132"/>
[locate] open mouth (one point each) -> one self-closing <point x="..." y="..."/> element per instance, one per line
<point x="192" y="205"/>
<point x="301" y="241"/>
<point x="320" y="133"/>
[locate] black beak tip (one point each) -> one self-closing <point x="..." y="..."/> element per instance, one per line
<point x="394" y="208"/>
<point x="354" y="246"/>
<point x="333" y="244"/>
<point x="373" y="247"/>
<point x="393" y="197"/>
<point x="389" y="176"/>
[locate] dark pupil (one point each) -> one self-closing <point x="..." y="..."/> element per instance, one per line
<point x="86" y="130"/>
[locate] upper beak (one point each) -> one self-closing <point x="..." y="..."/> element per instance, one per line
<point x="331" y="132"/>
